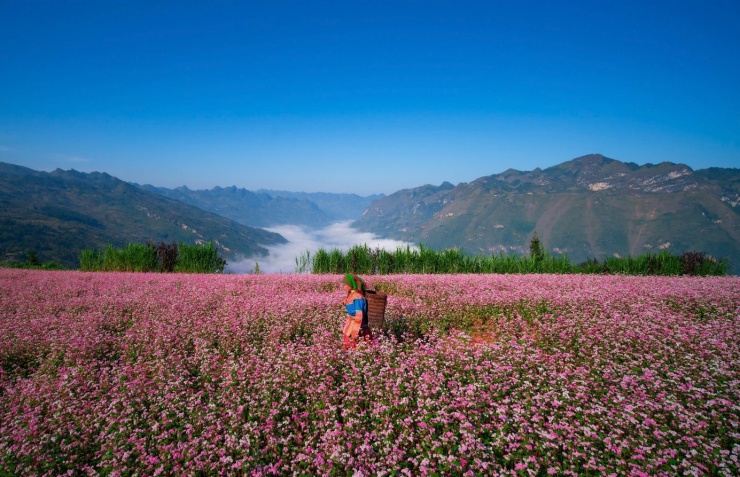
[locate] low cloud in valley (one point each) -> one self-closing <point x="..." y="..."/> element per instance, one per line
<point x="282" y="258"/>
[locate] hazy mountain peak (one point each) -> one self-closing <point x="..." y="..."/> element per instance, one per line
<point x="510" y="171"/>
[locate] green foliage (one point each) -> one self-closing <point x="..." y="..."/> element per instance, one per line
<point x="363" y="260"/>
<point x="33" y="262"/>
<point x="536" y="250"/>
<point x="33" y="259"/>
<point x="132" y="258"/>
<point x="150" y="258"/>
<point x="663" y="263"/>
<point x="91" y="260"/>
<point x="27" y="266"/>
<point x="199" y="259"/>
<point x="135" y="257"/>
<point x="329" y="262"/>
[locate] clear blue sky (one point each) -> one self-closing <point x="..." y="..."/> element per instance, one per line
<point x="364" y="96"/>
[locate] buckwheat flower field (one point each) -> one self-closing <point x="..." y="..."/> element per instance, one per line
<point x="170" y="374"/>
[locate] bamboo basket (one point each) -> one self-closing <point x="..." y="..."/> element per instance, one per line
<point x="376" y="301"/>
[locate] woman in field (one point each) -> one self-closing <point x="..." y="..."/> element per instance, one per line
<point x="355" y="303"/>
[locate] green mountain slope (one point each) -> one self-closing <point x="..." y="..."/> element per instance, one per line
<point x="57" y="214"/>
<point x="588" y="207"/>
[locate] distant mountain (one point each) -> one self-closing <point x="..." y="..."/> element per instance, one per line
<point x="338" y="207"/>
<point x="591" y="206"/>
<point x="58" y="214"/>
<point x="268" y="208"/>
<point x="249" y="208"/>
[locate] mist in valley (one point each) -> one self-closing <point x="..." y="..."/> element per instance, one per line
<point x="282" y="258"/>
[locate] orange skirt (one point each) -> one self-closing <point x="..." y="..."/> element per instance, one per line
<point x="353" y="333"/>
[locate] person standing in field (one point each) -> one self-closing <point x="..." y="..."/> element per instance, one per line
<point x="355" y="303"/>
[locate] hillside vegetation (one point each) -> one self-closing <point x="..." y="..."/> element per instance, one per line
<point x="590" y="207"/>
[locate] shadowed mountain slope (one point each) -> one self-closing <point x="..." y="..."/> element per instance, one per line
<point x="58" y="214"/>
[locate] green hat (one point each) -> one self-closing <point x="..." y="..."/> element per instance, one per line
<point x="354" y="282"/>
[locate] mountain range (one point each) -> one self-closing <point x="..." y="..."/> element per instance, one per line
<point x="268" y="208"/>
<point x="57" y="214"/>
<point x="589" y="207"/>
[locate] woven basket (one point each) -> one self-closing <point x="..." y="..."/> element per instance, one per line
<point x="376" y="301"/>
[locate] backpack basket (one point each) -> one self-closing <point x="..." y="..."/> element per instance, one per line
<point x="376" y="301"/>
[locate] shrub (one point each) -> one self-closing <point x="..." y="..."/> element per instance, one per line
<point x="32" y="262"/>
<point x="167" y="256"/>
<point x="91" y="260"/>
<point x="150" y="258"/>
<point x="536" y="250"/>
<point x="135" y="257"/>
<point x="199" y="259"/>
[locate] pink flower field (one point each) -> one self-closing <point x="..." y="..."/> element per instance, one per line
<point x="170" y="374"/>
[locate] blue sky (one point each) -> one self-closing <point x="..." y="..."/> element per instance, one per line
<point x="364" y="96"/>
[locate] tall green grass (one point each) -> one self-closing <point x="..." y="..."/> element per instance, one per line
<point x="137" y="257"/>
<point x="199" y="259"/>
<point x="363" y="260"/>
<point x="134" y="257"/>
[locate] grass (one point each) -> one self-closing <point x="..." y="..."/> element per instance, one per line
<point x="424" y="260"/>
<point x="135" y="257"/>
<point x="199" y="259"/>
<point x="28" y="266"/>
<point x="32" y="262"/>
